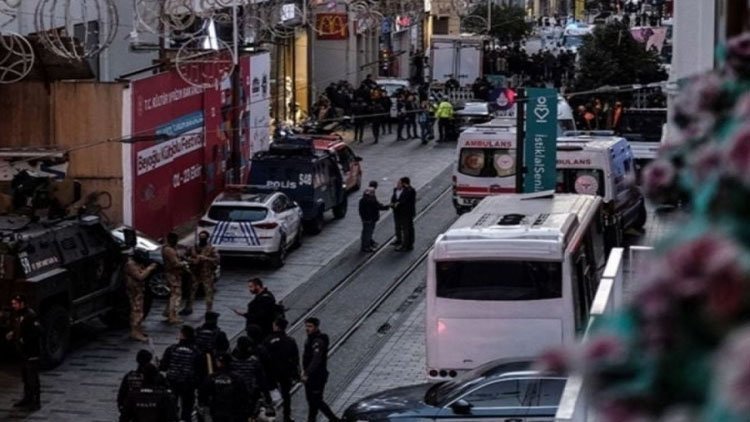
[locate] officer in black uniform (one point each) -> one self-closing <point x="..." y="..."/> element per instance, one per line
<point x="25" y="334"/>
<point x="315" y="372"/>
<point x="210" y="340"/>
<point x="225" y="394"/>
<point x="284" y="363"/>
<point x="133" y="380"/>
<point x="152" y="402"/>
<point x="246" y="365"/>
<point x="260" y="311"/>
<point x="182" y="363"/>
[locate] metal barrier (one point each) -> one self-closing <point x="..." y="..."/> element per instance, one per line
<point x="609" y="297"/>
<point x="638" y="258"/>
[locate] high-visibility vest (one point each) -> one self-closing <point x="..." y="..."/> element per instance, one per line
<point x="444" y="110"/>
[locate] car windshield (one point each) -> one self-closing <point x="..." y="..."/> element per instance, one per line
<point x="142" y="242"/>
<point x="391" y="88"/>
<point x="572" y="41"/>
<point x="474" y="108"/>
<point x="646" y="125"/>
<point x="498" y="280"/>
<point x="237" y="213"/>
<point x="440" y="393"/>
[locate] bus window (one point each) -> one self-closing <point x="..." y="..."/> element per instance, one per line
<point x="499" y="280"/>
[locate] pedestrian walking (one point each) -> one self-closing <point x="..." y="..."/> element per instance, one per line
<point x="204" y="261"/>
<point x="376" y="116"/>
<point x="182" y="364"/>
<point x="359" y="110"/>
<point x="401" y="117"/>
<point x="247" y="366"/>
<point x="403" y="202"/>
<point x="423" y="118"/>
<point x="173" y="268"/>
<point x="210" y="340"/>
<point x="315" y="371"/>
<point x="25" y="334"/>
<point x="444" y="114"/>
<point x="225" y="394"/>
<point x="151" y="402"/>
<point x="285" y="368"/>
<point x="369" y="212"/>
<point x="136" y="273"/>
<point x="132" y="382"/>
<point x="385" y="104"/>
<point x="412" y="107"/>
<point x="261" y="311"/>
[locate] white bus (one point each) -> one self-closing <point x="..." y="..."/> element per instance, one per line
<point x="510" y="279"/>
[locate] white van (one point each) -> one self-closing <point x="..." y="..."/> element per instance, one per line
<point x="512" y="278"/>
<point x="573" y="36"/>
<point x="391" y="87"/>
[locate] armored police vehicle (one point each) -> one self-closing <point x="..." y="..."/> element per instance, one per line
<point x="68" y="270"/>
<point x="309" y="176"/>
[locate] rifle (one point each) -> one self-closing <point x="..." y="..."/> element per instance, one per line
<point x="153" y="351"/>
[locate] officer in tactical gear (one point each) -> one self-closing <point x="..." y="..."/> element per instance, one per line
<point x="284" y="363"/>
<point x="210" y="340"/>
<point x="182" y="363"/>
<point x="152" y="402"/>
<point x="173" y="268"/>
<point x="204" y="259"/>
<point x="135" y="277"/>
<point x="315" y="371"/>
<point x="133" y="380"/>
<point x="225" y="394"/>
<point x="25" y="334"/>
<point x="246" y="365"/>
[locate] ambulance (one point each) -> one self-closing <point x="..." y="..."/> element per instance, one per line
<point x="591" y="165"/>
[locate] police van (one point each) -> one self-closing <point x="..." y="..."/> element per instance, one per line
<point x="594" y="165"/>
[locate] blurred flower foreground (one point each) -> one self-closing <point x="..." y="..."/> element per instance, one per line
<point x="680" y="349"/>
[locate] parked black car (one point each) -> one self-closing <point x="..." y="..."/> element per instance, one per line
<point x="499" y="390"/>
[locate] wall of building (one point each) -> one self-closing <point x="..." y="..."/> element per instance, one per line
<point x="693" y="39"/>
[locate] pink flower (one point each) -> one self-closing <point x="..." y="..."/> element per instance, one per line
<point x="699" y="264"/>
<point x="556" y="361"/>
<point x="622" y="411"/>
<point x="738" y="55"/>
<point x="737" y="155"/>
<point x="733" y="371"/>
<point x="604" y="349"/>
<point x="658" y="177"/>
<point x="742" y="107"/>
<point x="655" y="300"/>
<point x="706" y="161"/>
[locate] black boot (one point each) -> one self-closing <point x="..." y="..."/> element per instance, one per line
<point x="22" y="403"/>
<point x="186" y="311"/>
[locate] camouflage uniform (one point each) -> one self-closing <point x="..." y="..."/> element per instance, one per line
<point x="173" y="273"/>
<point x="135" y="276"/>
<point x="204" y="261"/>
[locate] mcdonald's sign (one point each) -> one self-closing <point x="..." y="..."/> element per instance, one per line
<point x="332" y="26"/>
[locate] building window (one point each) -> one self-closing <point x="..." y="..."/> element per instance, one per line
<point x="440" y="26"/>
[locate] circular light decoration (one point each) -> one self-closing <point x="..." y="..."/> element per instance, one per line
<point x="16" y="57"/>
<point x="56" y="22"/>
<point x="178" y="17"/>
<point x="9" y="8"/>
<point x="148" y="15"/>
<point x="586" y="184"/>
<point x="205" y="62"/>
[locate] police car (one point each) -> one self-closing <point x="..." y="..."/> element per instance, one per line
<point x="245" y="222"/>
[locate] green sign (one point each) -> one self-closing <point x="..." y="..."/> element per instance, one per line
<point x="540" y="151"/>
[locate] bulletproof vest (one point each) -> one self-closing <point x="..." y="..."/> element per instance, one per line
<point x="205" y="339"/>
<point x="149" y="404"/>
<point x="182" y="366"/>
<point x="248" y="370"/>
<point x="224" y="393"/>
<point x="133" y="381"/>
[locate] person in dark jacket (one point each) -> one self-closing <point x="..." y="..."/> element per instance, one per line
<point x="247" y="366"/>
<point x="210" y="340"/>
<point x="359" y="111"/>
<point x="152" y="402"/>
<point x="386" y="103"/>
<point x="315" y="371"/>
<point x="182" y="363"/>
<point x="404" y="201"/>
<point x="25" y="333"/>
<point x="369" y="212"/>
<point x="260" y="311"/>
<point x="133" y="380"/>
<point x="225" y="394"/>
<point x="285" y="368"/>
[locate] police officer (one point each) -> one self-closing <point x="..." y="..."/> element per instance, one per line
<point x="261" y="311"/>
<point x="182" y="363"/>
<point x="369" y="212"/>
<point x="173" y="268"/>
<point x="135" y="277"/>
<point x="152" y="402"/>
<point x="315" y="371"/>
<point x="210" y="340"/>
<point x="25" y="334"/>
<point x="284" y="363"/>
<point x="204" y="259"/>
<point x="225" y="394"/>
<point x="404" y="209"/>
<point x="247" y="366"/>
<point x="133" y="380"/>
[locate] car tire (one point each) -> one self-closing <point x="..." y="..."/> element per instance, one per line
<point x="55" y="337"/>
<point x="157" y="285"/>
<point x="278" y="258"/>
<point x="339" y="211"/>
<point x="314" y="225"/>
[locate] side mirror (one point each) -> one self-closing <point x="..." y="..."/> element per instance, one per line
<point x="357" y="158"/>
<point x="130" y="238"/>
<point x="461" y="407"/>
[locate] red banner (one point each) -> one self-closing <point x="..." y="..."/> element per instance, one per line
<point x="332" y="26"/>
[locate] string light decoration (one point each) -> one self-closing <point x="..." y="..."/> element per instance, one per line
<point x="16" y="57"/>
<point x="205" y="61"/>
<point x="55" y="21"/>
